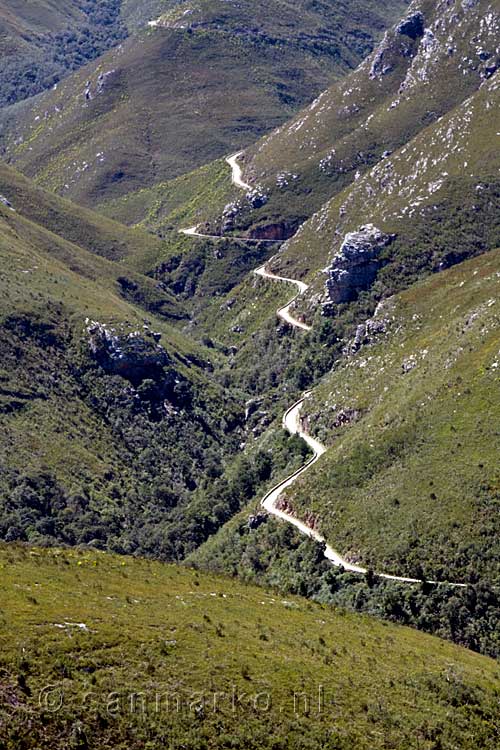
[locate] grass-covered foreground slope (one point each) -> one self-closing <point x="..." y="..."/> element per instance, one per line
<point x="121" y="653"/>
<point x="177" y="95"/>
<point x="409" y="484"/>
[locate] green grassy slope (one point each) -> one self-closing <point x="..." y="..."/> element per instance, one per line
<point x="76" y="224"/>
<point x="410" y="482"/>
<point x="182" y="202"/>
<point x="412" y="78"/>
<point x="122" y="653"/>
<point x="276" y="554"/>
<point x="177" y="97"/>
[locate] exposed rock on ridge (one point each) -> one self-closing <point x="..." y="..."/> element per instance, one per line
<point x="355" y="266"/>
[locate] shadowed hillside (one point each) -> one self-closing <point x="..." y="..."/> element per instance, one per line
<point x="190" y="89"/>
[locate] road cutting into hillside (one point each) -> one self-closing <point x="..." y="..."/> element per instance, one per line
<point x="237" y="172"/>
<point x="284" y="312"/>
<point x="193" y="232"/>
<point x="292" y="421"/>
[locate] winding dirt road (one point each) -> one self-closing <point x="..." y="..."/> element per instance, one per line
<point x="236" y="172"/>
<point x="284" y="312"/>
<point x="292" y="421"/>
<point x="193" y="232"/>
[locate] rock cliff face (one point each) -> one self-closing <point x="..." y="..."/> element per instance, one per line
<point x="135" y="356"/>
<point x="355" y="266"/>
<point x="277" y="231"/>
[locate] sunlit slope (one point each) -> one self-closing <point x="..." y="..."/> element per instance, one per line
<point x="438" y="196"/>
<point x="429" y="62"/>
<point x="199" y="660"/>
<point x="410" y="481"/>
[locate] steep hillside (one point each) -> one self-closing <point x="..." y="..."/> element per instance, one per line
<point x="431" y="61"/>
<point x="96" y="388"/>
<point x="85" y="228"/>
<point x="410" y="481"/>
<point x="43" y="41"/>
<point x="185" y="91"/>
<point x="108" y="652"/>
<point x="436" y="200"/>
<point x="425" y="207"/>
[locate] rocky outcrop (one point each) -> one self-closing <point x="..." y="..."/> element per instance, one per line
<point x="355" y="266"/>
<point x="412" y="26"/>
<point x="257" y="197"/>
<point x="397" y="45"/>
<point x="366" y="333"/>
<point x="6" y="203"/>
<point x="135" y="356"/>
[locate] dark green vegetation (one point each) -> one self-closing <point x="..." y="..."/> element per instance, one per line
<point x="410" y="484"/>
<point x="91" y="414"/>
<point x="144" y="655"/>
<point x="116" y="430"/>
<point x="190" y="90"/>
<point x="41" y="41"/>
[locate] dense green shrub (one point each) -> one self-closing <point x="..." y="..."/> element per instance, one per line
<point x="50" y="57"/>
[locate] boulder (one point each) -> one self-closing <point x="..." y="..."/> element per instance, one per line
<point x="366" y="333"/>
<point x="412" y="26"/>
<point x="355" y="266"/>
<point x="255" y="521"/>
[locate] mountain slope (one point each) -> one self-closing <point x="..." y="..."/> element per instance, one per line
<point x="85" y="228"/>
<point x="410" y="482"/>
<point x="427" y="64"/>
<point x="179" y="94"/>
<point x="437" y="197"/>
<point x="42" y="41"/>
<point x="122" y="653"/>
<point x="96" y="387"/>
